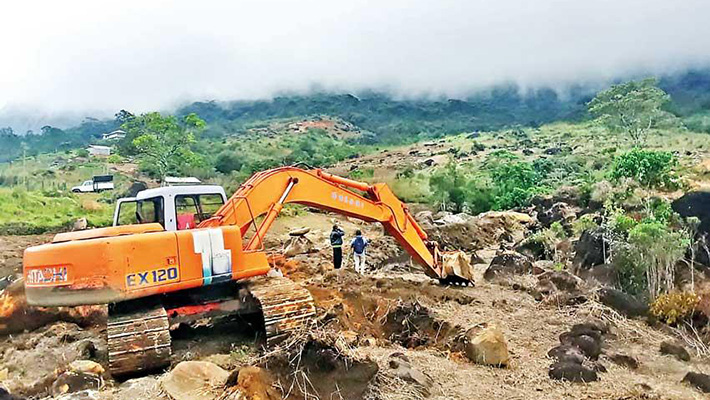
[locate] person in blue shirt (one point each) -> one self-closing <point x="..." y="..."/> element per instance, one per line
<point x="358" y="245"/>
<point x="336" y="241"/>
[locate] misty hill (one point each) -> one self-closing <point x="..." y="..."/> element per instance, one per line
<point x="387" y="119"/>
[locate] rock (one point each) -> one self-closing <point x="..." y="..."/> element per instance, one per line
<point x="553" y="151"/>
<point x="675" y="350"/>
<point x="194" y="380"/>
<point x="456" y="264"/>
<point x="622" y="302"/>
<point x="558" y="212"/>
<point x="599" y="275"/>
<point x="70" y="382"/>
<point x="573" y="372"/>
<point x="298" y="245"/>
<point x="300" y="231"/>
<point x="86" y="366"/>
<point x="624" y="360"/>
<point x="698" y="380"/>
<point x="534" y="249"/>
<point x="451" y="219"/>
<point x="589" y="250"/>
<point x="136" y="186"/>
<point x="566" y="353"/>
<point x="589" y="345"/>
<point x="253" y="383"/>
<point x="694" y="204"/>
<point x="562" y="280"/>
<point x="508" y="263"/>
<point x="5" y="395"/>
<point x="487" y="347"/>
<point x="401" y="368"/>
<point x="425" y="219"/>
<point x="80" y="224"/>
<point x="463" y="232"/>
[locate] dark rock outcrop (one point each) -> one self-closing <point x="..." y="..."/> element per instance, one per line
<point x="675" y="350"/>
<point x="698" y="380"/>
<point x="508" y="263"/>
<point x="622" y="302"/>
<point x="589" y="250"/>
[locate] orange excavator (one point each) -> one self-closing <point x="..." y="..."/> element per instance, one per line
<point x="211" y="263"/>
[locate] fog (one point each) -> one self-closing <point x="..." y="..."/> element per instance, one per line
<point x="80" y="57"/>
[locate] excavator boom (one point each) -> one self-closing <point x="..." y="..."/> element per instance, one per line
<point x="265" y="193"/>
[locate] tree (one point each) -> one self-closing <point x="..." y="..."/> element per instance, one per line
<point x="164" y="142"/>
<point x="634" y="107"/>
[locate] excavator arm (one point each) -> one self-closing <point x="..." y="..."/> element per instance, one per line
<point x="265" y="194"/>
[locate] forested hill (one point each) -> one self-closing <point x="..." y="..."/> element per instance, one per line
<point x="387" y="119"/>
<point x="395" y="120"/>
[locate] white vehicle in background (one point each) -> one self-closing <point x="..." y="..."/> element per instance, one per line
<point x="98" y="184"/>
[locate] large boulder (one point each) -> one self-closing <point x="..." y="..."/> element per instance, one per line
<point x="622" y="302"/>
<point x="487" y="347"/>
<point x="488" y="230"/>
<point x="194" y="380"/>
<point x="698" y="380"/>
<point x="695" y="204"/>
<point x="557" y="212"/>
<point x="572" y="372"/>
<point x="589" y="250"/>
<point x="508" y="263"/>
<point x="71" y="382"/>
<point x="675" y="350"/>
<point x="298" y="245"/>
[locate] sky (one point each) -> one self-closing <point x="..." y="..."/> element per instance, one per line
<point x="94" y="56"/>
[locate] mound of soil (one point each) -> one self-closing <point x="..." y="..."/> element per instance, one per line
<point x="317" y="366"/>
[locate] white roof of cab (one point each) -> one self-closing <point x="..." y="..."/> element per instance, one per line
<point x="177" y="190"/>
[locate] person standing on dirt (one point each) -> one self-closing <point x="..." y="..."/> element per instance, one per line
<point x="358" y="245"/>
<point x="336" y="240"/>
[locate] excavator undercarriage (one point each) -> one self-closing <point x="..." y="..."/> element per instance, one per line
<point x="138" y="332"/>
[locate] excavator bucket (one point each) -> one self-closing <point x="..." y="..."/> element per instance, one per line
<point x="456" y="268"/>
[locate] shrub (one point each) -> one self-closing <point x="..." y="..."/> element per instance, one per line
<point x="227" y="162"/>
<point x="656" y="248"/>
<point x="651" y="169"/>
<point x="675" y="307"/>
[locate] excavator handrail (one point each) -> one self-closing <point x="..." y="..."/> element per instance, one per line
<point x="265" y="193"/>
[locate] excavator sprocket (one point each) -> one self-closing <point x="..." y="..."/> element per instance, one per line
<point x="138" y="340"/>
<point x="287" y="307"/>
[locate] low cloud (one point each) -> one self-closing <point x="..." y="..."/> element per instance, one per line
<point x="90" y="56"/>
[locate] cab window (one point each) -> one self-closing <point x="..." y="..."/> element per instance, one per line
<point x="190" y="210"/>
<point x="141" y="212"/>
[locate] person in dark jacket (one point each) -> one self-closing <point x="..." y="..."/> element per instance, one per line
<point x="336" y="240"/>
<point x="358" y="245"/>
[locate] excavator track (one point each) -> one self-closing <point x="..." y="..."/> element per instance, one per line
<point x="287" y="307"/>
<point x="138" y="340"/>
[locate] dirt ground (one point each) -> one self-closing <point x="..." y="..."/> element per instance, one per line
<point x="368" y="312"/>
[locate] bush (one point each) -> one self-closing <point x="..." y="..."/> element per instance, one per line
<point x="656" y="249"/>
<point x="675" y="307"/>
<point x="651" y="169"/>
<point x="82" y="153"/>
<point x="514" y="184"/>
<point x="227" y="162"/>
<point x="453" y="188"/>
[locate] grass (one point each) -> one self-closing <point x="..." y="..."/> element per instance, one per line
<point x="33" y="212"/>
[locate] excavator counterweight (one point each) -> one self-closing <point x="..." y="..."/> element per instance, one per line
<point x="166" y="272"/>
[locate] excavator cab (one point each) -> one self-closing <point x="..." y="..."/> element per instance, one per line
<point x="173" y="207"/>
